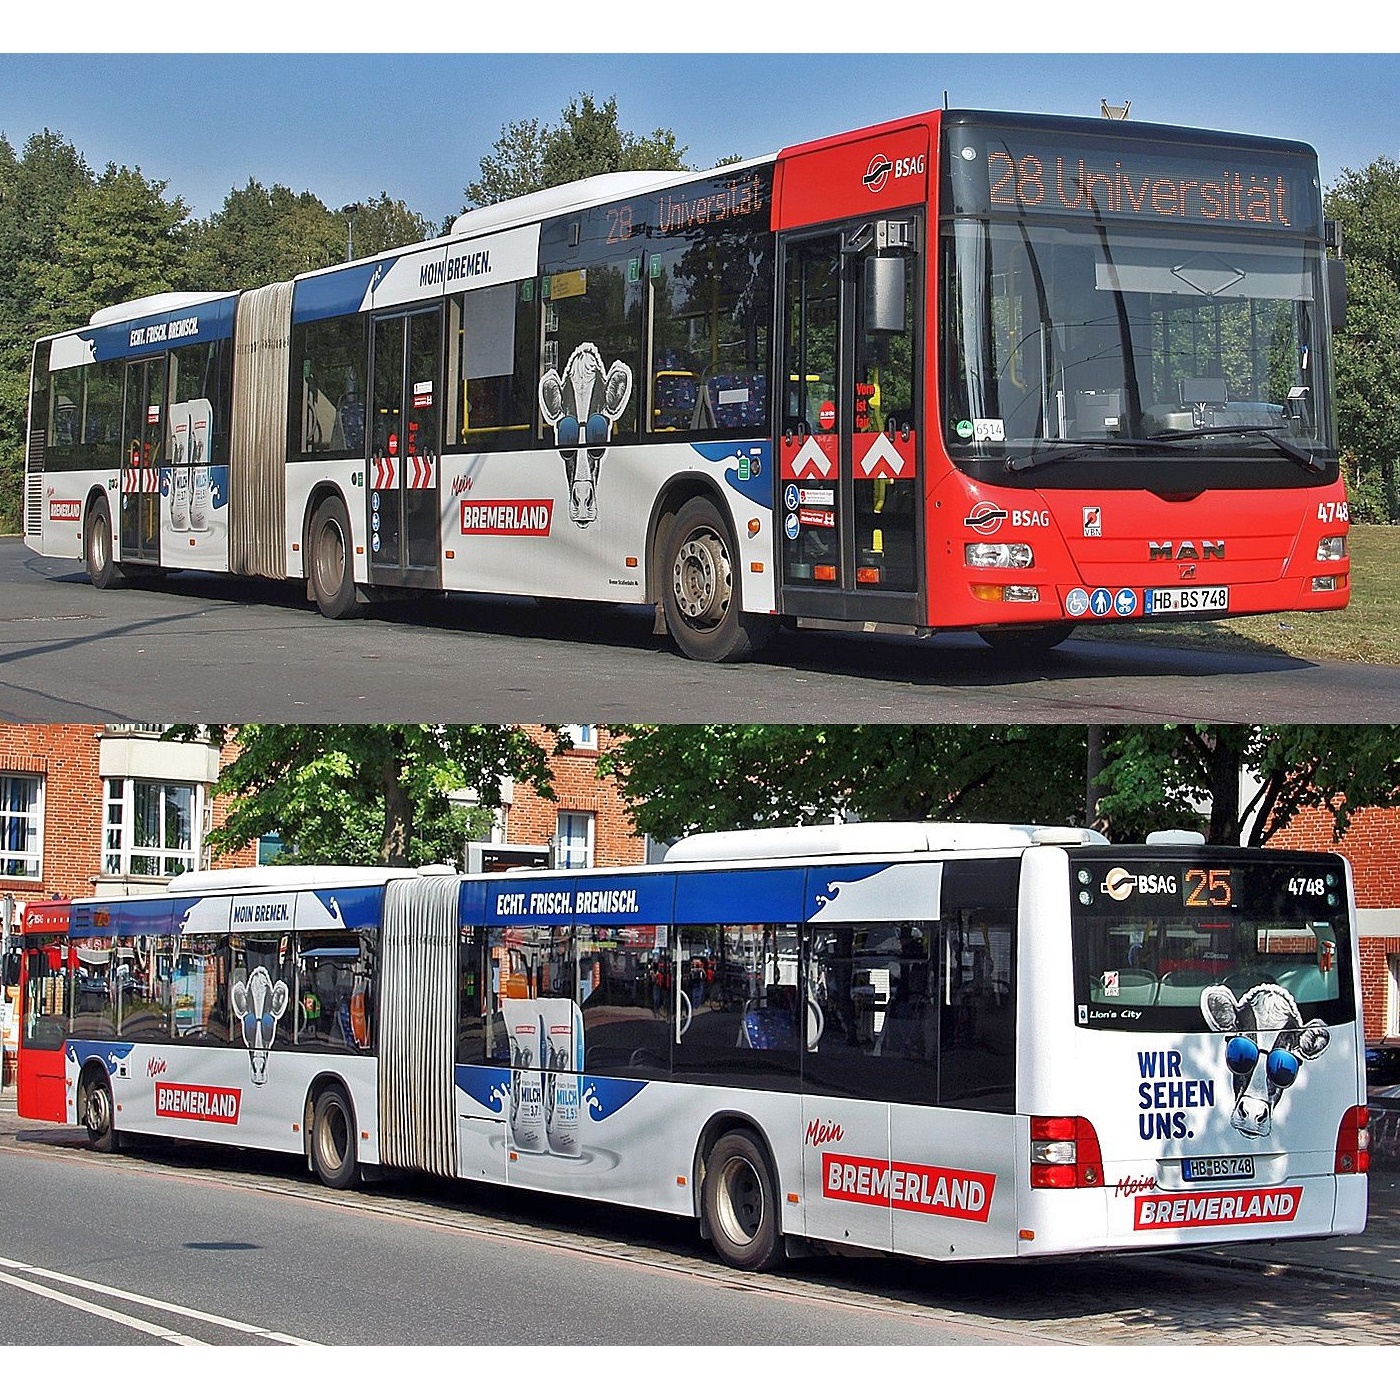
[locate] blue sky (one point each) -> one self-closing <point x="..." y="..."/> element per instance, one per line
<point x="349" y="125"/>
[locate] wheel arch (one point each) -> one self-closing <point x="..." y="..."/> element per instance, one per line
<point x="724" y="1121"/>
<point x="319" y="494"/>
<point x="667" y="506"/>
<point x="323" y="1080"/>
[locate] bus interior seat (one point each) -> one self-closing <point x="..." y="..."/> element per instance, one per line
<point x="731" y="401"/>
<point x="674" y="400"/>
<point x="1183" y="986"/>
<point x="1308" y="984"/>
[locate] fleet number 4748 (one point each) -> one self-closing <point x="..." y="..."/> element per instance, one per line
<point x="1333" y="512"/>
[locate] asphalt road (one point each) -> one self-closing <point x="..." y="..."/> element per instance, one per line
<point x="205" y="648"/>
<point x="258" y="1253"/>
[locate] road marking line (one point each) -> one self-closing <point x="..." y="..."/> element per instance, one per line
<point x="105" y="1290"/>
<point x="155" y="1329"/>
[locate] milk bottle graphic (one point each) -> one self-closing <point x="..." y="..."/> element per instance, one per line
<point x="180" y="472"/>
<point x="527" y="1052"/>
<point x="201" y="416"/>
<point x="562" y="1097"/>
<point x="199" y="497"/>
<point x="180" y="497"/>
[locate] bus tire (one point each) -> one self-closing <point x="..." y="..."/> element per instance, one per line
<point x="102" y="569"/>
<point x="1027" y="641"/>
<point x="333" y="1156"/>
<point x="698" y="589"/>
<point x="98" y="1112"/>
<point x="330" y="561"/>
<point x="739" y="1203"/>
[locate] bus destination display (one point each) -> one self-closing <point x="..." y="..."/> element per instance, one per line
<point x="1064" y="174"/>
<point x="1307" y="892"/>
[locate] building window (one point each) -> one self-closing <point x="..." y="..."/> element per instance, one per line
<point x="582" y="736"/>
<point x="574" y="840"/>
<point x="152" y="828"/>
<point x="21" y="826"/>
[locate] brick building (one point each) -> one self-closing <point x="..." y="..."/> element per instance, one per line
<point x="588" y="824"/>
<point x="103" y="809"/>
<point x="1372" y="845"/>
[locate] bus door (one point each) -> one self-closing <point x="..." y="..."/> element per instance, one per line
<point x="849" y="422"/>
<point x="404" y="448"/>
<point x="44" y="991"/>
<point x="143" y="424"/>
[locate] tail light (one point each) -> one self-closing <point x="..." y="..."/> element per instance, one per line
<point x="1065" y="1152"/>
<point x="1354" y="1141"/>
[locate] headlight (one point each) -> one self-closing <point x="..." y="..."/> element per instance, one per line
<point x="999" y="556"/>
<point x="1331" y="548"/>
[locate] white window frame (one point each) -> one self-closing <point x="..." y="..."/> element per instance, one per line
<point x="583" y="736"/>
<point x="30" y="857"/>
<point x="120" y="853"/>
<point x="566" y="839"/>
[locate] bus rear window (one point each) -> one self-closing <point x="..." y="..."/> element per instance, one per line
<point x="1154" y="938"/>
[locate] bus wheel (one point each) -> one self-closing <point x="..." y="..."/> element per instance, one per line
<point x="98" y="1115"/>
<point x="739" y="1202"/>
<point x="1027" y="641"/>
<point x="698" y="589"/>
<point x="332" y="573"/>
<point x="333" y="1139"/>
<point x="102" y="568"/>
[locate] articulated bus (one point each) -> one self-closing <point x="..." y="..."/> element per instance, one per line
<point x="963" y="371"/>
<point x="948" y="1042"/>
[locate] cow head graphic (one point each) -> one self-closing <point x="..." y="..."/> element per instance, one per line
<point x="1265" y="1049"/>
<point x="259" y="1004"/>
<point x="583" y="404"/>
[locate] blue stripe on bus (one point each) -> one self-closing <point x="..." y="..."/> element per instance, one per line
<point x="339" y="293"/>
<point x="192" y="325"/>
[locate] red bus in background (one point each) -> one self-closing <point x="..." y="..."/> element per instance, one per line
<point x="965" y="371"/>
<point x="45" y="992"/>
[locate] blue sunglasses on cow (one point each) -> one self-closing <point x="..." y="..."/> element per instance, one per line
<point x="1242" y="1054"/>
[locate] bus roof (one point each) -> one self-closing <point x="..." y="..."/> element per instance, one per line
<point x="873" y="838"/>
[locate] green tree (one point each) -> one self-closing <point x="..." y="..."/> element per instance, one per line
<point x="685" y="778"/>
<point x="264" y="235"/>
<point x="587" y="140"/>
<point x="35" y="188"/>
<point x="1253" y="779"/>
<point x="679" y="779"/>
<point x="1367" y="205"/>
<point x="382" y="223"/>
<point x="117" y="239"/>
<point x="369" y="793"/>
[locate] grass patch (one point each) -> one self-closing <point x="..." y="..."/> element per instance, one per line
<point x="1366" y="630"/>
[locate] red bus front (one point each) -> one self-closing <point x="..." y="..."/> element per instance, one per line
<point x="1038" y="372"/>
<point x="45" y="986"/>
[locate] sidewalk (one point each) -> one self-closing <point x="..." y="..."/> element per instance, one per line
<point x="1371" y="1258"/>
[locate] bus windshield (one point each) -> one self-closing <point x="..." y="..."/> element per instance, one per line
<point x="1180" y="945"/>
<point x="1116" y="339"/>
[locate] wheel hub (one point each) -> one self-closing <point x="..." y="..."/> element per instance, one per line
<point x="702" y="580"/>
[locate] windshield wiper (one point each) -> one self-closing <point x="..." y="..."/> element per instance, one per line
<point x="1315" y="462"/>
<point x="1069" y="449"/>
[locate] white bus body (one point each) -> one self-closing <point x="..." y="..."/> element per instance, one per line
<point x="947" y="1042"/>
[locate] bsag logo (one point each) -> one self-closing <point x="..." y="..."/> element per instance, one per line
<point x="985" y="518"/>
<point x="1122" y="884"/>
<point x="877" y="173"/>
